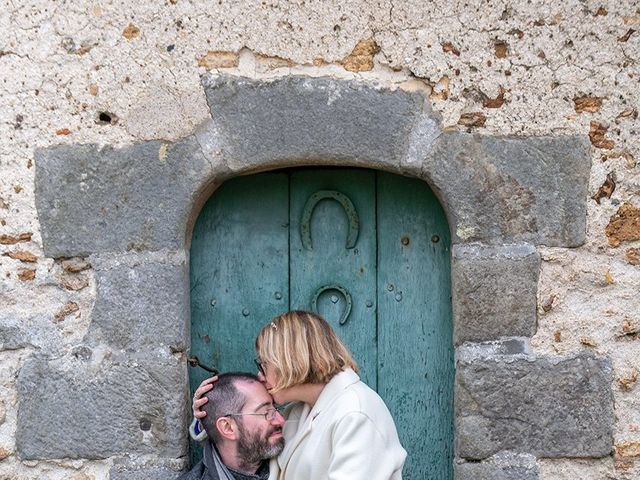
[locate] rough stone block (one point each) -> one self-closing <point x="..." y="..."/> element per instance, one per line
<point x="12" y="337"/>
<point x="140" y="470"/>
<point x="545" y="406"/>
<point x="93" y="200"/>
<point x="494" y="291"/>
<point x="142" y="300"/>
<point x="511" y="190"/>
<point x="312" y="120"/>
<point x="152" y="473"/>
<point x="33" y="329"/>
<point x="501" y="466"/>
<point x="70" y="408"/>
<point x="506" y="346"/>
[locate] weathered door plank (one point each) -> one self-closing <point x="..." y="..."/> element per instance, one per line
<point x="331" y="263"/>
<point x="415" y="375"/>
<point x="239" y="270"/>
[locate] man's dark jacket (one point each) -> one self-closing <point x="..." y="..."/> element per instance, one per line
<point x="205" y="470"/>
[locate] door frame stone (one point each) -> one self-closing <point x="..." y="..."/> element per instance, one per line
<point x="131" y="211"/>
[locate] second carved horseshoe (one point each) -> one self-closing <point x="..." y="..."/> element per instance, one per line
<point x="345" y="294"/>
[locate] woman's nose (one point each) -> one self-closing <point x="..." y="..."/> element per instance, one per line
<point x="261" y="377"/>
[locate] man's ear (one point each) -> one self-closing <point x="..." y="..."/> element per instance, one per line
<point x="227" y="428"/>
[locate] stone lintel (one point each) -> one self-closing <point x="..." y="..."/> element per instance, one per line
<point x="142" y="301"/>
<point x="93" y="200"/>
<point x="494" y="291"/>
<point x="510" y="189"/>
<point x="501" y="466"/>
<point x="545" y="406"/>
<point x="70" y="408"/>
<point x="306" y="121"/>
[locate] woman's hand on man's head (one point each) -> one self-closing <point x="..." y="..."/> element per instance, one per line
<point x="199" y="400"/>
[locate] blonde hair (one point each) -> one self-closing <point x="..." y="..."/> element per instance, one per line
<point x="302" y="348"/>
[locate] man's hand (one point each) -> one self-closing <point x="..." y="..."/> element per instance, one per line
<point x="198" y="401"/>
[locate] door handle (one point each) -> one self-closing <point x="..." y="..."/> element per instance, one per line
<point x="195" y="362"/>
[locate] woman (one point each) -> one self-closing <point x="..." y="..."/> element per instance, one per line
<point x="336" y="426"/>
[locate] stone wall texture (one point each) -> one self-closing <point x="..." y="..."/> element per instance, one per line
<point x="137" y="84"/>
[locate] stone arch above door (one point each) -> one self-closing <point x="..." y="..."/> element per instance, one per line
<point x="494" y="190"/>
<point x="130" y="210"/>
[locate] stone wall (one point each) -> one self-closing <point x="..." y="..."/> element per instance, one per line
<point x="126" y="78"/>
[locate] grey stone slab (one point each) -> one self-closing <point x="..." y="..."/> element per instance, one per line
<point x="32" y="329"/>
<point x="142" y="300"/>
<point x="12" y="337"/>
<point x="143" y="471"/>
<point x="514" y="346"/>
<point x="29" y="330"/>
<point x="76" y="409"/>
<point x="152" y="473"/>
<point x="314" y="120"/>
<point x="511" y="190"/>
<point x="502" y="466"/>
<point x="93" y="200"/>
<point x="494" y="291"/>
<point x="545" y="406"/>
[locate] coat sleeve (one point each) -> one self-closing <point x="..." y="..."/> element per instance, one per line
<point x="362" y="451"/>
<point x="196" y="431"/>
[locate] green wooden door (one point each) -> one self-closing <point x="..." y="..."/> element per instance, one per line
<point x="367" y="250"/>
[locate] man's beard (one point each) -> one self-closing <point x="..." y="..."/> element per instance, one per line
<point x="253" y="449"/>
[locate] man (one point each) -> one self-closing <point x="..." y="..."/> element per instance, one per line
<point x="244" y="431"/>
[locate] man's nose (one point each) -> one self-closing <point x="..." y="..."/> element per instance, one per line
<point x="278" y="419"/>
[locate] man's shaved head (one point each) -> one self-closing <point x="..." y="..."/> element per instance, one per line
<point x="224" y="398"/>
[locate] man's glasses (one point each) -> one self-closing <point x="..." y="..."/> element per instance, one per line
<point x="259" y="365"/>
<point x="269" y="415"/>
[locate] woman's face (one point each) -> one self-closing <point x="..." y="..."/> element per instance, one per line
<point x="267" y="376"/>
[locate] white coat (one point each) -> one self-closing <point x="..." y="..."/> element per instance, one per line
<point x="347" y="435"/>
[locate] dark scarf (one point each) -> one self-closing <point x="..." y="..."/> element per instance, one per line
<point x="213" y="462"/>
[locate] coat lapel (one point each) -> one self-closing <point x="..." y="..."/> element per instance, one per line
<point x="301" y="418"/>
<point x="296" y="428"/>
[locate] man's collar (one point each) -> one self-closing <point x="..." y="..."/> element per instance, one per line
<point x="211" y="454"/>
<point x="261" y="474"/>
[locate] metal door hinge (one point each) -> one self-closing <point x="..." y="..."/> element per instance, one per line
<point x="195" y="362"/>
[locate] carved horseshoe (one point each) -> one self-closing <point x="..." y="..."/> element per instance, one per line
<point x="345" y="294"/>
<point x="347" y="205"/>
